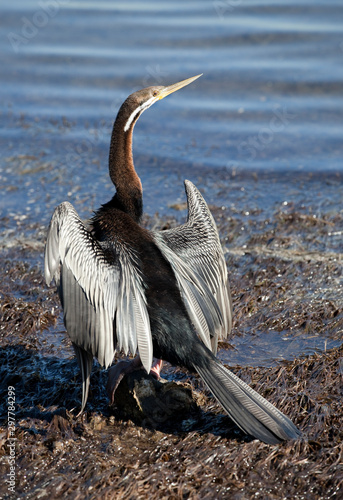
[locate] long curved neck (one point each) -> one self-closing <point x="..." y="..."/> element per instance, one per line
<point x="129" y="195"/>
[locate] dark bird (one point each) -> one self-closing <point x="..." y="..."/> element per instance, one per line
<point x="163" y="293"/>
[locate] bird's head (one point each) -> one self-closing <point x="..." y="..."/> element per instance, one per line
<point x="141" y="100"/>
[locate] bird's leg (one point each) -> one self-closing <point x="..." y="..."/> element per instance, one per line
<point x="117" y="372"/>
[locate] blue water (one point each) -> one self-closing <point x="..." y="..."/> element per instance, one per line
<point x="270" y="97"/>
<point x="270" y="100"/>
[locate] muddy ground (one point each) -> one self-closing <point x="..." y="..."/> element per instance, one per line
<point x="286" y="277"/>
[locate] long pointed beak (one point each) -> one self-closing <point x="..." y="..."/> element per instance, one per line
<point x="176" y="86"/>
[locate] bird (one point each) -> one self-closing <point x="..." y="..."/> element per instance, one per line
<point x="162" y="293"/>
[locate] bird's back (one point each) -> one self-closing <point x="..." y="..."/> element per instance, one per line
<point x="169" y="320"/>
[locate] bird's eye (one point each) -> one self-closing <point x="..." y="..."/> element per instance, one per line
<point x="155" y="93"/>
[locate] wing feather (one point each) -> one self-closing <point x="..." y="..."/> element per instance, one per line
<point x="197" y="247"/>
<point x="103" y="301"/>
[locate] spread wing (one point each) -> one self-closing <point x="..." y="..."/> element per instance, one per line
<point x="195" y="253"/>
<point x="102" y="297"/>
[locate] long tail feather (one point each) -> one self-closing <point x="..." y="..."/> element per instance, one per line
<point x="250" y="411"/>
<point x="85" y="361"/>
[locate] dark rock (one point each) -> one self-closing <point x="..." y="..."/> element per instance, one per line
<point x="154" y="403"/>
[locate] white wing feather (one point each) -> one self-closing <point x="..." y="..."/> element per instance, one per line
<point x="104" y="302"/>
<point x="195" y="253"/>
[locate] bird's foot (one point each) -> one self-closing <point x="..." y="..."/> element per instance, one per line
<point x="117" y="372"/>
<point x="156" y="369"/>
